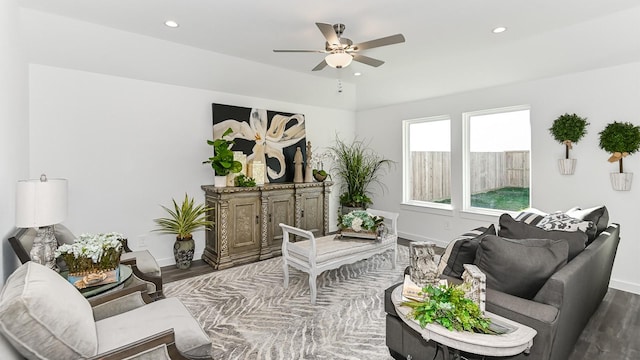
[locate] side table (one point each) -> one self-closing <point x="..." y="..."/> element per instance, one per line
<point x="125" y="274"/>
<point x="517" y="339"/>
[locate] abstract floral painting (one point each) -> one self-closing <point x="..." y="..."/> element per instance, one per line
<point x="266" y="135"/>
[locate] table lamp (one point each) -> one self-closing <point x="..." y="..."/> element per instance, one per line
<point x="41" y="204"/>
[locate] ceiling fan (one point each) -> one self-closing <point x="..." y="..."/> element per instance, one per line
<point x="341" y="51"/>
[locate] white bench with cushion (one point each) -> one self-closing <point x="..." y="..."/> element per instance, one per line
<point x="316" y="255"/>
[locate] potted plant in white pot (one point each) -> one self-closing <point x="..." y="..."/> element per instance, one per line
<point x="620" y="139"/>
<point x="222" y="161"/>
<point x="568" y="129"/>
<point x="182" y="222"/>
<point x="357" y="167"/>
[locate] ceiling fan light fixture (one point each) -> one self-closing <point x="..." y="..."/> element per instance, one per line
<point x="338" y="60"/>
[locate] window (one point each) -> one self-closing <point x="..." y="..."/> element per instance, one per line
<point x="497" y="149"/>
<point x="427" y="161"/>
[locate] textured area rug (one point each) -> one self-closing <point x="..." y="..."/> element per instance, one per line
<point x="249" y="314"/>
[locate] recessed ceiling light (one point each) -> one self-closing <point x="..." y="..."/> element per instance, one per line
<point x="357" y="73"/>
<point x="171" y="24"/>
<point x="499" y="29"/>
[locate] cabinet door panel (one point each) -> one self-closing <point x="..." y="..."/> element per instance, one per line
<point x="312" y="215"/>
<point x="281" y="210"/>
<point x="244" y="224"/>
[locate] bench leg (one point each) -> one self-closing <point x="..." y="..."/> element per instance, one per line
<point x="285" y="267"/>
<point x="312" y="287"/>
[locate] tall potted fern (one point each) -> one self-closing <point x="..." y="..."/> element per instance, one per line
<point x="357" y="167"/>
<point x="183" y="220"/>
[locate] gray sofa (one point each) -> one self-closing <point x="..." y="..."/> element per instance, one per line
<point x="559" y="311"/>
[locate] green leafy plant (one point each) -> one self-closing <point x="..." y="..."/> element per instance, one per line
<point x="568" y="129"/>
<point x="243" y="181"/>
<point x="183" y="219"/>
<point x="359" y="220"/>
<point x="358" y="167"/>
<point x="620" y="139"/>
<point x="447" y="306"/>
<point x="222" y="160"/>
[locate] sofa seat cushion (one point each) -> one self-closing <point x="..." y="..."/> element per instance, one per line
<point x="462" y="250"/>
<point x="520" y="267"/>
<point x="512" y="229"/>
<point x="43" y="316"/>
<point x="136" y="324"/>
<point x="329" y="249"/>
<point x="145" y="262"/>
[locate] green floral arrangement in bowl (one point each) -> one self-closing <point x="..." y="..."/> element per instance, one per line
<point x="92" y="253"/>
<point x="359" y="221"/>
<point x="448" y="306"/>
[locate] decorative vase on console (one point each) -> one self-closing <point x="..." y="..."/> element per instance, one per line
<point x="308" y="170"/>
<point x="297" y="166"/>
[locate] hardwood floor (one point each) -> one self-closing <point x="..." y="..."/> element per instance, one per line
<point x="172" y="273"/>
<point x="612" y="332"/>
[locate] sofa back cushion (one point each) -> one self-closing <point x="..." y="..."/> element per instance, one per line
<point x="512" y="229"/>
<point x="599" y="215"/>
<point x="520" y="267"/>
<point x="462" y="250"/>
<point x="43" y="316"/>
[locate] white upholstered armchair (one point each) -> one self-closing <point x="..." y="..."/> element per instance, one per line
<point x="43" y="316"/>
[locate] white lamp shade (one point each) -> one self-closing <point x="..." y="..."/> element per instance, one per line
<point x="338" y="60"/>
<point x="41" y="203"/>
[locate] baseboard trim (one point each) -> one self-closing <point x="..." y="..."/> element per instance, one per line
<point x="625" y="286"/>
<point x="414" y="237"/>
<point x="172" y="261"/>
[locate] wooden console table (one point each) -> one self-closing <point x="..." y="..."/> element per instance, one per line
<point x="518" y="339"/>
<point x="245" y="220"/>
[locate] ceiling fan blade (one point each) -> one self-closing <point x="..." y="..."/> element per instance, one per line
<point x="367" y="60"/>
<point x="389" y="40"/>
<point x="303" y="51"/>
<point x="320" y="66"/>
<point x="329" y="33"/>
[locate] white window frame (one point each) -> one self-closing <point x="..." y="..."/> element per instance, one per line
<point x="466" y="162"/>
<point x="406" y="164"/>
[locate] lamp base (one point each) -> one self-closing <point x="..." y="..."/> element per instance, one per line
<point x="44" y="247"/>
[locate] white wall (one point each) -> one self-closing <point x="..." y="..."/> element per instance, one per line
<point x="126" y="146"/>
<point x="602" y="96"/>
<point x="14" y="136"/>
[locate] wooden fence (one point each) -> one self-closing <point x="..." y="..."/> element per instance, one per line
<point x="489" y="171"/>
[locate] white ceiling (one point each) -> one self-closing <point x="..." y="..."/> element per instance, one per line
<point x="449" y="45"/>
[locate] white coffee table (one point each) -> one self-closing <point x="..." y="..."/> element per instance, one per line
<point x="518" y="339"/>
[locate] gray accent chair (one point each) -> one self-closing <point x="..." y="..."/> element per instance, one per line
<point x="144" y="265"/>
<point x="43" y="316"/>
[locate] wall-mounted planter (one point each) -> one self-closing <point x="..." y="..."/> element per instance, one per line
<point x="621" y="181"/>
<point x="567" y="166"/>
